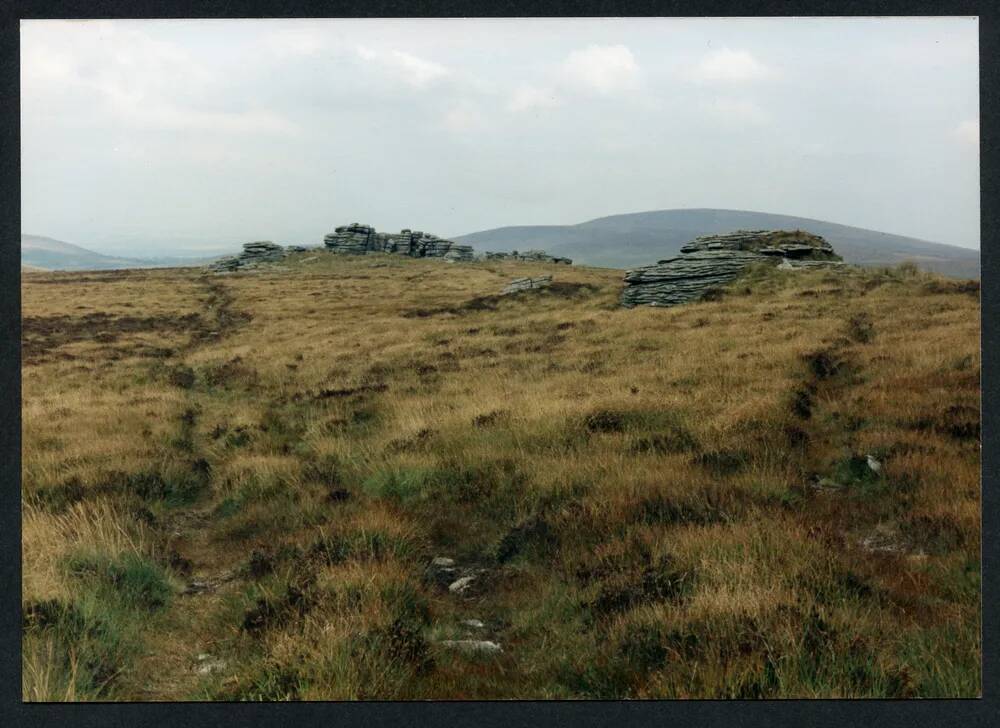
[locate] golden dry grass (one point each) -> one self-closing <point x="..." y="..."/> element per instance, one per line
<point x="665" y="502"/>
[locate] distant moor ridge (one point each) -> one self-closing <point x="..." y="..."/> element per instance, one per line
<point x="359" y="239"/>
<point x="618" y="241"/>
<point x="704" y="264"/>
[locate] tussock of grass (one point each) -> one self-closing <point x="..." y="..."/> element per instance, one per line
<point x="98" y="588"/>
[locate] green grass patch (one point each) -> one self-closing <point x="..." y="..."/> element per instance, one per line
<point x="132" y="582"/>
<point x="91" y="641"/>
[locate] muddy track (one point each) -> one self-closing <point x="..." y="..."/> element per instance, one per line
<point x="180" y="643"/>
<point x="221" y="319"/>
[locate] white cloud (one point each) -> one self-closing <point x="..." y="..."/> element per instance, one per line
<point x="410" y="69"/>
<point x="531" y="98"/>
<point x="138" y="81"/>
<point x="604" y="69"/>
<point x="729" y="66"/>
<point x="419" y="71"/>
<point x="968" y="132"/>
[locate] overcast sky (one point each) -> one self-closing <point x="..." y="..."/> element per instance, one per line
<point x="154" y="137"/>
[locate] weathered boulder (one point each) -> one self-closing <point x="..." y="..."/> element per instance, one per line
<point x="225" y="265"/>
<point x="526" y="284"/>
<point x="715" y="260"/>
<point x="355" y="239"/>
<point x="262" y="251"/>
<point x="358" y="239"/>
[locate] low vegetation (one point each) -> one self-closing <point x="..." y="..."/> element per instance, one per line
<point x="235" y="487"/>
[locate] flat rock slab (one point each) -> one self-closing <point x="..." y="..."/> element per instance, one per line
<point x="526" y="284"/>
<point x="480" y="646"/>
<point x="459" y="586"/>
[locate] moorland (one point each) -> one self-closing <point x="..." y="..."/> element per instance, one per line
<point x="374" y="478"/>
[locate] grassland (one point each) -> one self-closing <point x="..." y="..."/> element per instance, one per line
<point x="234" y="486"/>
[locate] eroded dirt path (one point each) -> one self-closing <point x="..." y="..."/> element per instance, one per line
<point x="180" y="647"/>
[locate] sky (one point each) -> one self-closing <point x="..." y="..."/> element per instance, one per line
<point x="157" y="137"/>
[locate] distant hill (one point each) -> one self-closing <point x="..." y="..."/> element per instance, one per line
<point x="641" y="238"/>
<point x="41" y="253"/>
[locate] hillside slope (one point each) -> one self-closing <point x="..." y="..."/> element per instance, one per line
<point x="373" y="478"/>
<point x="642" y="238"/>
<point x="39" y="252"/>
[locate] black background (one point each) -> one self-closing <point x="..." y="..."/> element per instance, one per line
<point x="572" y="714"/>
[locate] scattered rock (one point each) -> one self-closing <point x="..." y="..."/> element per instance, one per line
<point x="460" y="586"/>
<point x="526" y="284"/>
<point x="874" y="465"/>
<point x="209" y="584"/>
<point x="474" y="623"/>
<point x="457" y="579"/>
<point x="208" y="664"/>
<point x="442" y="571"/>
<point x="358" y="239"/>
<point x="711" y="261"/>
<point x="482" y="646"/>
<point x="884" y="539"/>
<point x="535" y="256"/>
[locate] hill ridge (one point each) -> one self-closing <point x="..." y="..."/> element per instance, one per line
<point x="633" y="239"/>
<point x="47" y="253"/>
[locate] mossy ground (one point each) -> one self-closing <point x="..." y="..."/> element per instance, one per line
<point x="663" y="502"/>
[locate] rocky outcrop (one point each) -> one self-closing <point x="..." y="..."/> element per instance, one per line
<point x="536" y="256"/>
<point x="354" y="239"/>
<point x="358" y="239"/>
<point x="263" y="251"/>
<point x="526" y="284"/>
<point x="715" y="260"/>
